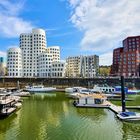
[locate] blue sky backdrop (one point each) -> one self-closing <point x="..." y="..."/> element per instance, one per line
<point x="79" y="27"/>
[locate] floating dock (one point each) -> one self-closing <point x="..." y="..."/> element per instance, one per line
<point x="133" y="107"/>
<point x="116" y="109"/>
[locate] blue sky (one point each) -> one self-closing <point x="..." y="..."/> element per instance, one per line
<point x="77" y="26"/>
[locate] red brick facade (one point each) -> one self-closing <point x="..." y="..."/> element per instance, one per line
<point x="126" y="60"/>
<point x="116" y="60"/>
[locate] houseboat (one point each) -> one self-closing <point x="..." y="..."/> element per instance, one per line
<point x="96" y="100"/>
<point x="8" y="105"/>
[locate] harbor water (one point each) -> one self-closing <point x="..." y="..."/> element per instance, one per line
<point x="51" y="116"/>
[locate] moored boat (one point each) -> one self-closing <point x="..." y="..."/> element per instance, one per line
<point x="40" y="88"/>
<point x="129" y="116"/>
<point x="77" y="90"/>
<point x="72" y="89"/>
<point x="103" y="89"/>
<point x="8" y="104"/>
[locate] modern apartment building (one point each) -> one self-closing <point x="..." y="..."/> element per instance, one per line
<point x="90" y="66"/>
<point x="82" y="66"/>
<point x="34" y="59"/>
<point x="129" y="59"/>
<point x="14" y="62"/>
<point x="74" y="68"/>
<point x="116" y="60"/>
<point x="32" y="45"/>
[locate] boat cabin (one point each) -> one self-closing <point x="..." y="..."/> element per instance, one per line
<point x="92" y="99"/>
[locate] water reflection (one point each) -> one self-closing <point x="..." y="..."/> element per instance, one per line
<point x="92" y="113"/>
<point x="131" y="130"/>
<point x="43" y="114"/>
<point x="45" y="117"/>
<point x="5" y="125"/>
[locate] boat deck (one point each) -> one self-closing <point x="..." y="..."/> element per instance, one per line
<point x="8" y="110"/>
<point x="6" y="101"/>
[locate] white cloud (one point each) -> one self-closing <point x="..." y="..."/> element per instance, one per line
<point x="105" y="23"/>
<point x="105" y="59"/>
<point x="12" y="46"/>
<point x="11" y="24"/>
<point x="74" y="3"/>
<point x="2" y="54"/>
<point x="11" y="8"/>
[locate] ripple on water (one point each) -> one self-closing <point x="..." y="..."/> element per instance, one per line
<point x="56" y="119"/>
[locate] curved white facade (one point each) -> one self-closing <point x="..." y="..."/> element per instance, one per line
<point x="33" y="58"/>
<point x="32" y="46"/>
<point x="55" y="51"/>
<point x="14" y="62"/>
<point x="45" y="62"/>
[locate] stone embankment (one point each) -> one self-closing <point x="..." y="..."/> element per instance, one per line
<point x="68" y="82"/>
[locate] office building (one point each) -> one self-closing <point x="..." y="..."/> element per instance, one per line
<point x="32" y="45"/>
<point x="14" y="62"/>
<point x="58" y="69"/>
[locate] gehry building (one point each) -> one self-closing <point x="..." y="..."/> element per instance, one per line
<point x="14" y="62"/>
<point x="32" y="45"/>
<point x="33" y="58"/>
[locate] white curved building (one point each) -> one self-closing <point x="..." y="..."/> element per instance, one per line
<point x="45" y="62"/>
<point x="34" y="59"/>
<point x="14" y="62"/>
<point x="32" y="45"/>
<point x="55" y="51"/>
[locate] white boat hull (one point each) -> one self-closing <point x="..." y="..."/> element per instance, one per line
<point x="129" y="118"/>
<point x="42" y="90"/>
<point x="69" y="90"/>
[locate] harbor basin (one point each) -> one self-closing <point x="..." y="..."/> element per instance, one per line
<point x="51" y="116"/>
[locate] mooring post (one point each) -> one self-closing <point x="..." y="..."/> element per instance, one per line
<point x="123" y="93"/>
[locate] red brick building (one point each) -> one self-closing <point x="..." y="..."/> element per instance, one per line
<point x="126" y="60"/>
<point x="116" y="60"/>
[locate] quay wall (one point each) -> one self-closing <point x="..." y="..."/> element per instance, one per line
<point x="68" y="82"/>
